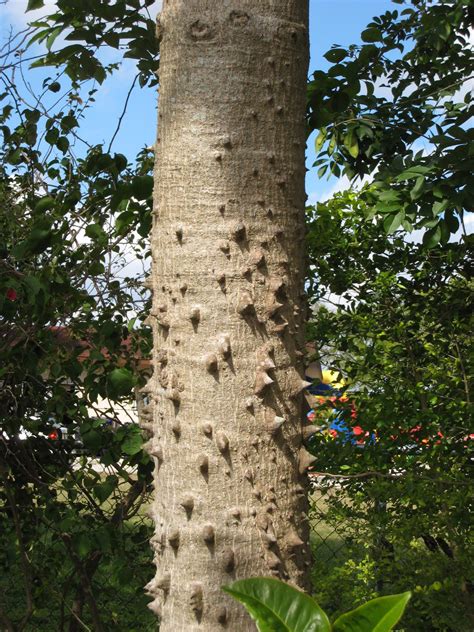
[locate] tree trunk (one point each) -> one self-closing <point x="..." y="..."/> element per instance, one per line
<point x="227" y="278"/>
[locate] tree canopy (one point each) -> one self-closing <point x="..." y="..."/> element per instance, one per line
<point x="394" y="111"/>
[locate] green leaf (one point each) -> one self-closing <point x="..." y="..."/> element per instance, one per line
<point x="378" y="615"/>
<point x="96" y="232"/>
<point x="414" y="193"/>
<point x="121" y="381"/>
<point x="372" y="34"/>
<point x="15" y="157"/>
<point x="62" y="144"/>
<point x="322" y="170"/>
<point x="82" y="543"/>
<point x="340" y="101"/>
<point x="351" y="144"/>
<point x="432" y="237"/>
<point x="33" y="286"/>
<point x="133" y="442"/>
<point x="451" y="221"/>
<point x="412" y="172"/>
<point x="120" y="161"/>
<point x="44" y="204"/>
<point x="34" y="4"/>
<point x="142" y="187"/>
<point x="52" y="136"/>
<point x="124" y="220"/>
<point x="278" y="607"/>
<point x="332" y="145"/>
<point x="439" y="207"/>
<point x="54" y="34"/>
<point x="96" y="267"/>
<point x="68" y="122"/>
<point x="335" y="55"/>
<point x="103" y="490"/>
<point x="321" y="137"/>
<point x="393" y="221"/>
<point x="37" y="241"/>
<point x="92" y="440"/>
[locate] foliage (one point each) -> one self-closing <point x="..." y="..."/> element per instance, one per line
<point x="394" y="317"/>
<point x="279" y="607"/>
<point x="125" y="25"/>
<point x="395" y="109"/>
<point x="74" y="476"/>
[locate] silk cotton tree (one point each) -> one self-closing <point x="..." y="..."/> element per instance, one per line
<point x="225" y="417"/>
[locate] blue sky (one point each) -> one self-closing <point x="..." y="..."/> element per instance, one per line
<point x="331" y="22"/>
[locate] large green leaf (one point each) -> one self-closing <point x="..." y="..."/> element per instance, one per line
<point x="372" y="34"/>
<point x="121" y="381"/>
<point x="336" y="55"/>
<point x="378" y="615"/>
<point x="133" y="442"/>
<point x="278" y="607"/>
<point x="351" y="143"/>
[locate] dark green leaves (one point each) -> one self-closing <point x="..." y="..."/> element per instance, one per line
<point x="278" y="607"/>
<point x="378" y="615"/>
<point x="432" y="236"/>
<point x="69" y="353"/>
<point x="37" y="241"/>
<point x="62" y="144"/>
<point x="339" y="102"/>
<point x="393" y="221"/>
<point x="142" y="187"/>
<point x="52" y="136"/>
<point x="372" y="34"/>
<point x="121" y="382"/>
<point x="382" y="319"/>
<point x="104" y="489"/>
<point x="44" y="204"/>
<point x="133" y="441"/>
<point x="94" y="25"/>
<point x="34" y="4"/>
<point x="335" y="55"/>
<point x="415" y="128"/>
<point x="55" y="86"/>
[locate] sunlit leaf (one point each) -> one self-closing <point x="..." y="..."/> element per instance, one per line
<point x="378" y="615"/>
<point x="278" y="607"/>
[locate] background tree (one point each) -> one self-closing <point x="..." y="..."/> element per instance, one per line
<point x="399" y="485"/>
<point x="395" y="110"/>
<point x="227" y="280"/>
<point x="73" y="216"/>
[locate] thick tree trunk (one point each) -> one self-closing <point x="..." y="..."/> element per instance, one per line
<point x="227" y="279"/>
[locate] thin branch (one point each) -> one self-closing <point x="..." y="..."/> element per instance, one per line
<point x="117" y="129"/>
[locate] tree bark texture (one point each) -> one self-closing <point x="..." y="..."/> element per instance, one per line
<point x="227" y="316"/>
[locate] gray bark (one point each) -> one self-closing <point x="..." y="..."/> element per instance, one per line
<point x="227" y="316"/>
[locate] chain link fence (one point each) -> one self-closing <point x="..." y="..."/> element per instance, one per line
<point x="361" y="551"/>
